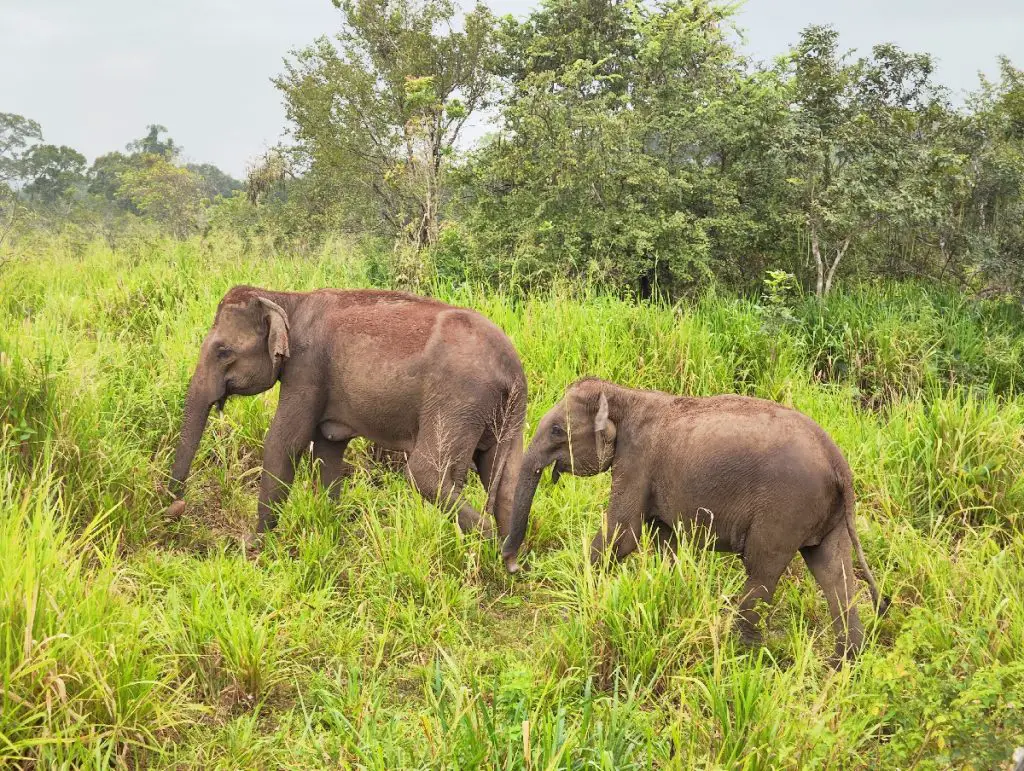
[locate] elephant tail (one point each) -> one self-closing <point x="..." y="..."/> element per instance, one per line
<point x="880" y="600"/>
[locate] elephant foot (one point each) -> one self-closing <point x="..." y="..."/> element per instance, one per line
<point x="332" y="490"/>
<point x="175" y="510"/>
<point x="751" y="641"/>
<point x="471" y="521"/>
<point x="750" y="636"/>
<point x="843" y="655"/>
<point x="252" y="545"/>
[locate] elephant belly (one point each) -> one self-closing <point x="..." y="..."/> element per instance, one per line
<point x="380" y="402"/>
<point x="385" y="436"/>
<point x="708" y="521"/>
<point x="725" y="493"/>
<point x="707" y="529"/>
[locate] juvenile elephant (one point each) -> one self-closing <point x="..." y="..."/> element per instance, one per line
<point x="757" y="478"/>
<point x="440" y="383"/>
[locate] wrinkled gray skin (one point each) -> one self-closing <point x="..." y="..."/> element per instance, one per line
<point x="442" y="384"/>
<point x="746" y="475"/>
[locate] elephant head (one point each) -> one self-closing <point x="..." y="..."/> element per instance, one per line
<point x="242" y="354"/>
<point x="575" y="436"/>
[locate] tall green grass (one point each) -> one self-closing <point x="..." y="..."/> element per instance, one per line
<point x="371" y="633"/>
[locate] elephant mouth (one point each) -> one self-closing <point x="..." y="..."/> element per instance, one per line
<point x="219" y="404"/>
<point x="556" y="472"/>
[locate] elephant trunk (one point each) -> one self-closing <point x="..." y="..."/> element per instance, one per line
<point x="526" y="488"/>
<point x="200" y="399"/>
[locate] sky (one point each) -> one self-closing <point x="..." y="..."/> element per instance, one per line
<point x="95" y="74"/>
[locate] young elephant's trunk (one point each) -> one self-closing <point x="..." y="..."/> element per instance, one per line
<point x="526" y="488"/>
<point x="197" y="409"/>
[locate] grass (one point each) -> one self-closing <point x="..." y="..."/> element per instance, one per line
<point x="370" y="633"/>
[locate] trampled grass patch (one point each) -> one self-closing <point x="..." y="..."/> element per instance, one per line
<point x="370" y="633"/>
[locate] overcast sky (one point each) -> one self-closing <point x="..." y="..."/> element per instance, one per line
<point x="95" y="73"/>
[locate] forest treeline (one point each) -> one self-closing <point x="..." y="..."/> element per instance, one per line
<point x="632" y="146"/>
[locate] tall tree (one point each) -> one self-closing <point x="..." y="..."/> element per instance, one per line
<point x="152" y="144"/>
<point x="215" y="181"/>
<point x="610" y="164"/>
<point x="990" y="219"/>
<point x="17" y="134"/>
<point x="859" y="152"/>
<point x="170" y="195"/>
<point x="382" y="108"/>
<point x="105" y="175"/>
<point x="53" y="172"/>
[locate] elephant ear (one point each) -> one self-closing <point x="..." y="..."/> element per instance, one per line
<point x="277" y="340"/>
<point x="603" y="426"/>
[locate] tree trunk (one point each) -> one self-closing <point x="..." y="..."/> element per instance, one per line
<point x="835" y="264"/>
<point x="819" y="288"/>
<point x="826" y="271"/>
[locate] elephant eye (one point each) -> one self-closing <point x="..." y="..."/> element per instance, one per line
<point x="557" y="430"/>
<point x="223" y="352"/>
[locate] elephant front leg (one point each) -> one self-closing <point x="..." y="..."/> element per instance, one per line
<point x="289" y="435"/>
<point x="621" y="531"/>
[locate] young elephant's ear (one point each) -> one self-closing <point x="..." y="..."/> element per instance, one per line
<point x="603" y="426"/>
<point x="277" y="340"/>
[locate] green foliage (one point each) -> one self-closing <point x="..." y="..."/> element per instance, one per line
<point x="214" y="181"/>
<point x="862" y="145"/>
<point x="370" y="633"/>
<point x="105" y="177"/>
<point x="606" y="168"/>
<point x="635" y="148"/>
<point x="53" y="172"/>
<point x="780" y="289"/>
<point x="120" y="197"/>
<point x="172" y="196"/>
<point x="640" y="150"/>
<point x="379" y="112"/>
<point x="17" y="135"/>
<point x="12" y="212"/>
<point x="152" y="144"/>
<point x="993" y="211"/>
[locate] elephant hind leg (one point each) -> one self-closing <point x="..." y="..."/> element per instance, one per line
<point x="498" y="467"/>
<point x="329" y="465"/>
<point x="663" y="535"/>
<point x="832" y="567"/>
<point x="765" y="565"/>
<point x="484" y="462"/>
<point x="438" y="472"/>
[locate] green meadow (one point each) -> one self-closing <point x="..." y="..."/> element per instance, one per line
<point x="369" y="633"/>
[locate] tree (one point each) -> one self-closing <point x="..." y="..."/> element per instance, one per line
<point x="52" y="172"/>
<point x="859" y="150"/>
<point x="616" y="154"/>
<point x="105" y="177"/>
<point x="215" y="181"/>
<point x="989" y="219"/>
<point x="17" y="134"/>
<point x="381" y="111"/>
<point x="172" y="196"/>
<point x="268" y="176"/>
<point x="152" y="144"/>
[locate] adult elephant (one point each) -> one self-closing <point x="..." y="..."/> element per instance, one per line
<point x="442" y="384"/>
